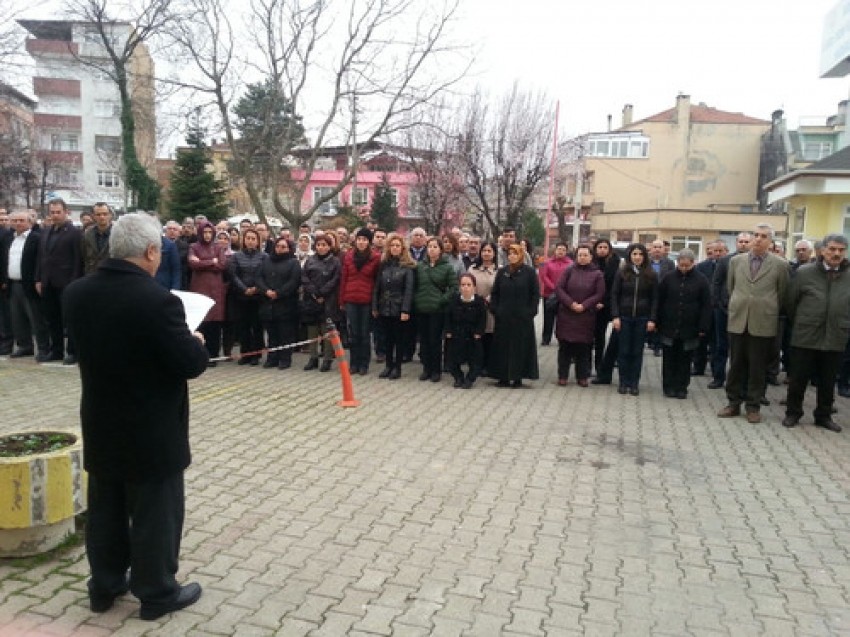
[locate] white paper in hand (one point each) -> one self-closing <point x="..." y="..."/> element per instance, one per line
<point x="195" y="306"/>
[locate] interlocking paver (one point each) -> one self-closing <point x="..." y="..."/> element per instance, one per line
<point x="542" y="511"/>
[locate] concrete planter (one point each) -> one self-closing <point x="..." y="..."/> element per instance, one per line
<point x="39" y="496"/>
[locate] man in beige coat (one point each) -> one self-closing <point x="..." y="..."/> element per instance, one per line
<point x="757" y="282"/>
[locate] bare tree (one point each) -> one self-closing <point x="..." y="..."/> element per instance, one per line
<point x="506" y="152"/>
<point x="355" y="69"/>
<point x="124" y="58"/>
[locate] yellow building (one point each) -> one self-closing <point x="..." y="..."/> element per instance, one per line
<point x="817" y="198"/>
<point x="688" y="175"/>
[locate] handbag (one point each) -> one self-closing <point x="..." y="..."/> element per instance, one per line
<point x="551" y="303"/>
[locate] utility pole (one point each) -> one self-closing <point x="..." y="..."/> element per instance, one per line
<point x="577" y="203"/>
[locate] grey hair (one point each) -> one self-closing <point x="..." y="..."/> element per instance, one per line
<point x="687" y="253"/>
<point x="767" y="228"/>
<point x="803" y="243"/>
<point x="834" y="238"/>
<point x="132" y="235"/>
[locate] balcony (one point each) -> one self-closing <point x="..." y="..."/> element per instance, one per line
<point x="43" y="86"/>
<point x="37" y="47"/>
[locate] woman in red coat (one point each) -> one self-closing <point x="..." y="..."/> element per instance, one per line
<point x="359" y="270"/>
<point x="208" y="261"/>
<point x="579" y="289"/>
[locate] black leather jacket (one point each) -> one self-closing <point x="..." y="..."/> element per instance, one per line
<point x="393" y="291"/>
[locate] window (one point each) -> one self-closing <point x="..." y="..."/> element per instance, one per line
<point x="394" y="196"/>
<point x="359" y="196"/>
<point x="107" y="108"/>
<point x="63" y="176"/>
<point x="330" y="206"/>
<point x="107" y="145"/>
<point x="621" y="146"/>
<point x="108" y="179"/>
<point x="813" y="151"/>
<point x="64" y="141"/>
<point x="677" y="244"/>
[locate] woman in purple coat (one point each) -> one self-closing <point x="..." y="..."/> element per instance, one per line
<point x="208" y="261"/>
<point x="579" y="289"/>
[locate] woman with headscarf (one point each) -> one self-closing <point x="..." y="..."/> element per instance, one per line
<point x="359" y="269"/>
<point x="514" y="301"/>
<point x="608" y="263"/>
<point x="208" y="262"/>
<point x="634" y="307"/>
<point x="304" y="249"/>
<point x="579" y="290"/>
<point x="244" y="268"/>
<point x="279" y="281"/>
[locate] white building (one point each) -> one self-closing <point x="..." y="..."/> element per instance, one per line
<point x="77" y="119"/>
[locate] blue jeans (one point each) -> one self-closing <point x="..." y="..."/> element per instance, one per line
<point x="359" y="317"/>
<point x="630" y="354"/>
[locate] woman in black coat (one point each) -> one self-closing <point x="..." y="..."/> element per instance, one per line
<point x="684" y="314"/>
<point x="513" y="301"/>
<point x="320" y="291"/>
<point x="604" y="357"/>
<point x="244" y="268"/>
<point x="279" y="280"/>
<point x="392" y="301"/>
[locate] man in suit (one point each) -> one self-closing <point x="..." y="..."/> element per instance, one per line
<point x="713" y="251"/>
<point x="60" y="262"/>
<point x="135" y="420"/>
<point x="661" y="264"/>
<point x="18" y="262"/>
<point x="720" y="305"/>
<point x="96" y="238"/>
<point x="757" y="282"/>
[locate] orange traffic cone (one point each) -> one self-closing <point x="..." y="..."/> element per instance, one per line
<point x="348" y="399"/>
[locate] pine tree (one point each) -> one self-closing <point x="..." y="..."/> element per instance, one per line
<point x="194" y="189"/>
<point x="384" y="209"/>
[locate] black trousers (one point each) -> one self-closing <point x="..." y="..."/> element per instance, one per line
<point x="281" y="332"/>
<point x="51" y="305"/>
<point x="396" y="338"/>
<point x="27" y="319"/>
<point x="749" y="356"/>
<point x="549" y="316"/>
<point x="465" y="350"/>
<point x="135" y="526"/>
<point x="249" y="328"/>
<point x="676" y="367"/>
<point x="804" y="363"/>
<point x="578" y="353"/>
<point x="430" y="326"/>
<point x="212" y="336"/>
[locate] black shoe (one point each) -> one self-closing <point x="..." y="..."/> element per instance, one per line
<point x="244" y="360"/>
<point x="312" y="364"/>
<point x="269" y="364"/>
<point x="517" y="384"/>
<point x="844" y="392"/>
<point x="656" y="352"/>
<point x="385" y="373"/>
<point x="187" y="596"/>
<point x="70" y="359"/>
<point x="212" y="364"/>
<point x="681" y="395"/>
<point x="326" y="366"/>
<point x="634" y="391"/>
<point x="830" y="424"/>
<point x="669" y="394"/>
<point x="773" y="380"/>
<point x="284" y="364"/>
<point x="468" y="383"/>
<point x="764" y="401"/>
<point x="435" y="377"/>
<point x="600" y="381"/>
<point x="503" y="383"/>
<point x="44" y="357"/>
<point x="406" y="359"/>
<point x="99" y="603"/>
<point x="716" y="384"/>
<point x="790" y="421"/>
<point x="458" y="384"/>
<point x="697" y="372"/>
<point x="254" y="362"/>
<point x="363" y="371"/>
<point x="622" y="389"/>
<point x="395" y="373"/>
<point x="425" y="376"/>
<point x="21" y="353"/>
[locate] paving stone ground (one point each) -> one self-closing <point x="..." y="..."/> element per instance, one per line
<point x="430" y="510"/>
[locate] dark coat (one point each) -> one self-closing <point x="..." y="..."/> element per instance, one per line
<point x="284" y="277"/>
<point x="818" y="303"/>
<point x="92" y="256"/>
<point x="513" y="301"/>
<point x="320" y="280"/>
<point x="170" y="273"/>
<point x="60" y="256"/>
<point x="465" y="319"/>
<point x="684" y="307"/>
<point x="583" y="284"/>
<point x="393" y="292"/>
<point x="719" y="289"/>
<point x="634" y="296"/>
<point x="244" y="270"/>
<point x="135" y="355"/>
<point x="609" y="267"/>
<point x="29" y="261"/>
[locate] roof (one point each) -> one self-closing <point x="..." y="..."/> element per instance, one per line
<point x="836" y="165"/>
<point x="702" y="114"/>
<point x="10" y="91"/>
<point x="835" y="161"/>
<point x="58" y="29"/>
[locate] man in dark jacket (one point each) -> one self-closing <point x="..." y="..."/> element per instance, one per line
<point x="661" y="264"/>
<point x="60" y="263"/>
<point x="135" y="420"/>
<point x="720" y="305"/>
<point x="18" y="261"/>
<point x="714" y="250"/>
<point x="96" y="238"/>
<point x="819" y="307"/>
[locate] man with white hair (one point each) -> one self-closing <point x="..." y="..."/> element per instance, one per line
<point x="135" y="420"/>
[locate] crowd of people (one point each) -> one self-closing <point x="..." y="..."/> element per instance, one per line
<point x="469" y="304"/>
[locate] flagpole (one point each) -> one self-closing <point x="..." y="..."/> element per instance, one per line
<point x="551" y="181"/>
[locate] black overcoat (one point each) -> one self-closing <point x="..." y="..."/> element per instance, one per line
<point x="513" y="301"/>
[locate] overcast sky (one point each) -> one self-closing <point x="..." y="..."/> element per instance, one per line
<point x="750" y="56"/>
